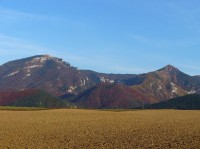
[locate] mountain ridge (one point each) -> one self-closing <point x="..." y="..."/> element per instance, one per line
<point x="60" y="79"/>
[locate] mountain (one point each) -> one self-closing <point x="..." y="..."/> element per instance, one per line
<point x="42" y="72"/>
<point x="153" y="87"/>
<point x="167" y="83"/>
<point x="30" y="98"/>
<point x="188" y="102"/>
<point x="91" y="89"/>
<point x="52" y="75"/>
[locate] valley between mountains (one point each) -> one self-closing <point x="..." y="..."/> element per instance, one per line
<point x="47" y="81"/>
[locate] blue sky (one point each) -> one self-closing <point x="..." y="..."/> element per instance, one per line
<point x="112" y="36"/>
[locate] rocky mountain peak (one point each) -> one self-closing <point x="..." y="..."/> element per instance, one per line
<point x="46" y="55"/>
<point x="42" y="59"/>
<point x="169" y="69"/>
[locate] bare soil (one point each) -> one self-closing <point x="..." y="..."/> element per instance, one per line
<point x="100" y="129"/>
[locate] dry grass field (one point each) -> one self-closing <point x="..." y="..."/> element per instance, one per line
<point x="100" y="129"/>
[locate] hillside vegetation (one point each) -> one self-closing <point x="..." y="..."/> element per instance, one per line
<point x="188" y="102"/>
<point x="14" y="108"/>
<point x="32" y="98"/>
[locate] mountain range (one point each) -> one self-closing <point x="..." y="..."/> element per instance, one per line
<point x="90" y="89"/>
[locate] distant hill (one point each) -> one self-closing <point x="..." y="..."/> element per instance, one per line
<point x="31" y="98"/>
<point x="188" y="102"/>
<point x="107" y="95"/>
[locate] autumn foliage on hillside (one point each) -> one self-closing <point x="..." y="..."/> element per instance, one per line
<point x="8" y="97"/>
<point x="31" y="98"/>
<point x="107" y="95"/>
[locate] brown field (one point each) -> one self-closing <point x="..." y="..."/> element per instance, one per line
<point x="100" y="129"/>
